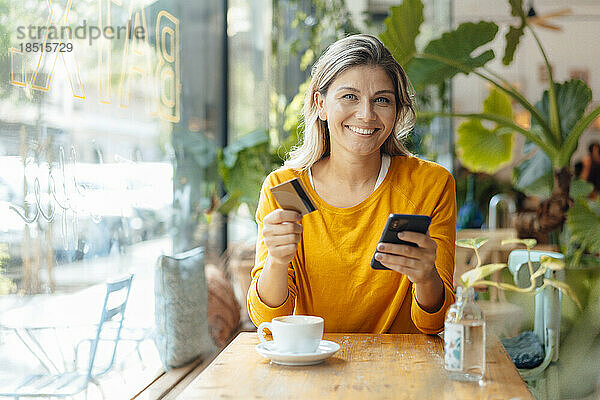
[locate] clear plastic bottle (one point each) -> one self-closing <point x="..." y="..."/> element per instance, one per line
<point x="464" y="338"/>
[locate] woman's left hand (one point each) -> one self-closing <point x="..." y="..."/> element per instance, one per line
<point x="417" y="263"/>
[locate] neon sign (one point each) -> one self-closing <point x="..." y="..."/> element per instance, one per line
<point x="162" y="80"/>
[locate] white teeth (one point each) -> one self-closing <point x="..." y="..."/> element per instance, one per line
<point x="361" y="131"/>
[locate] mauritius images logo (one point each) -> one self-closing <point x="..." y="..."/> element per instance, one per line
<point x="155" y="67"/>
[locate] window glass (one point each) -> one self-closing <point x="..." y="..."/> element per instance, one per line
<point x="109" y="124"/>
<point x="248" y="30"/>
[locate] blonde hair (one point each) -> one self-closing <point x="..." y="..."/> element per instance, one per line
<point x="355" y="50"/>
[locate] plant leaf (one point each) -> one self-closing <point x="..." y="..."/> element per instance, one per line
<point x="307" y="59"/>
<point x="455" y="46"/>
<point x="516" y="9"/>
<point x="252" y="139"/>
<point x="572" y="140"/>
<point x="555" y="264"/>
<point x="580" y="189"/>
<point x="474" y="243"/>
<point x="230" y="202"/>
<point x="573" y="97"/>
<point x="534" y="176"/>
<point x="402" y="28"/>
<point x="498" y="103"/>
<point x="243" y="166"/>
<point x="294" y="109"/>
<point x="482" y="150"/>
<point x="529" y="243"/>
<point x="513" y="37"/>
<point x="472" y="276"/>
<point x="583" y="220"/>
<point x="565" y="288"/>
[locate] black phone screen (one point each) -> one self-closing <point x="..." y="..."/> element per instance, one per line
<point x="398" y="223"/>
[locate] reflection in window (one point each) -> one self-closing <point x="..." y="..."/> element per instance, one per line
<point x="85" y="133"/>
<point x="107" y="151"/>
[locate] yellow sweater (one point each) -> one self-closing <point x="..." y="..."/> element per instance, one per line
<point x="330" y="275"/>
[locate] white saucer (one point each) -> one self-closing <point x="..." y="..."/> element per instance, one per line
<point x="326" y="349"/>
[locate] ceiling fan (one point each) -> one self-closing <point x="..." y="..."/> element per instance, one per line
<point x="542" y="20"/>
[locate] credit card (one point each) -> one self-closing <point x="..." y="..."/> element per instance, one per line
<point x="291" y="195"/>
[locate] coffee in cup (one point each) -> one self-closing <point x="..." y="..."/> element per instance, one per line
<point x="294" y="333"/>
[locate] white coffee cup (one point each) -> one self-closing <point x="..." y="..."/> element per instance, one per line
<point x="294" y="333"/>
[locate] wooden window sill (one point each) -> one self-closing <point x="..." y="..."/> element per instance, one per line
<point x="169" y="384"/>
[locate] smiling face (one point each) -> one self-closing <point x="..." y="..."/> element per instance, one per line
<point x="360" y="110"/>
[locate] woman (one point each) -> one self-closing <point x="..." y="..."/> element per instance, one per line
<point x="356" y="170"/>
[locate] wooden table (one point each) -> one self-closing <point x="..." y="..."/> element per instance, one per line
<point x="366" y="367"/>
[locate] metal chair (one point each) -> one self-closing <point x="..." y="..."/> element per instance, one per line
<point x="71" y="383"/>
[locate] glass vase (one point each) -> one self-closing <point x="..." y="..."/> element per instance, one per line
<point x="464" y="338"/>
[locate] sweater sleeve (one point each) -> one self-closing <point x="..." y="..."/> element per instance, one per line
<point x="257" y="309"/>
<point x="443" y="231"/>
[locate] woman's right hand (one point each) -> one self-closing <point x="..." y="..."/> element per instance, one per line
<point x="282" y="233"/>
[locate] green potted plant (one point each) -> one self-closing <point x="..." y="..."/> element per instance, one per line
<point x="538" y="273"/>
<point x="477" y="276"/>
<point x="557" y="120"/>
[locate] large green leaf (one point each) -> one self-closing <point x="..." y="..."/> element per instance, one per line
<point x="534" y="176"/>
<point x="433" y="66"/>
<point x="402" y="28"/>
<point x="583" y="220"/>
<point x="498" y="103"/>
<point x="483" y="150"/>
<point x="573" y="97"/>
<point x="486" y="150"/>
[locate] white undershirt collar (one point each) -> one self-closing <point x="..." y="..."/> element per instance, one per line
<point x="385" y="165"/>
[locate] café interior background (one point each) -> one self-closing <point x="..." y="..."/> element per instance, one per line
<point x="108" y="153"/>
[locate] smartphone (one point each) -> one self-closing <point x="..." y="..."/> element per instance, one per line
<point x="291" y="195"/>
<point x="399" y="223"/>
